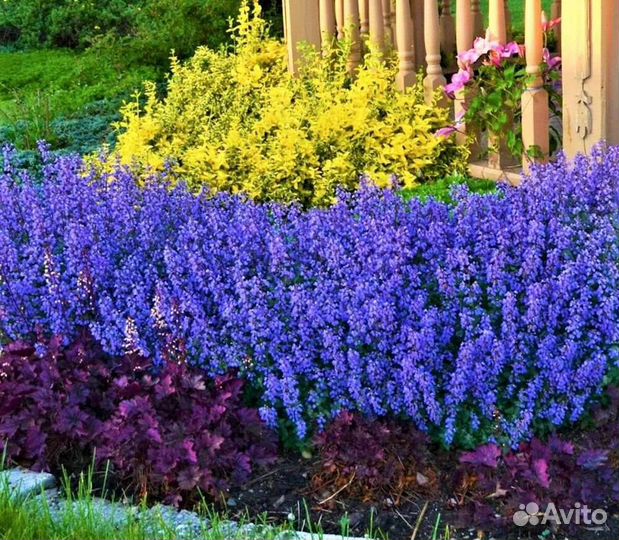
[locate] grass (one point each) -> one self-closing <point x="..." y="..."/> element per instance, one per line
<point x="80" y="518"/>
<point x="443" y="189"/>
<point x="43" y="91"/>
<point x="517" y="10"/>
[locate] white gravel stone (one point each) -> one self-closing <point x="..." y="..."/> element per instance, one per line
<point x="185" y="525"/>
<point x="315" y="536"/>
<point x="24" y="483"/>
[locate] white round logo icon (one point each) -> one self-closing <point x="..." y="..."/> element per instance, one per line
<point x="527" y="515"/>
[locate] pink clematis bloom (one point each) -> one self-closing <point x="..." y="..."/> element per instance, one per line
<point x="553" y="62"/>
<point x="485" y="45"/>
<point x="448" y="131"/>
<point x="458" y="82"/>
<point x="468" y="58"/>
<point x="549" y="25"/>
<point x="481" y="47"/>
<point x="496" y="57"/>
<point x="511" y="49"/>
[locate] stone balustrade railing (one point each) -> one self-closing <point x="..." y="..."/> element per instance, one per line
<point x="428" y="35"/>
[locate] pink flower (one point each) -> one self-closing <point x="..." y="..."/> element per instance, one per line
<point x="549" y="25"/>
<point x="511" y="49"/>
<point x="448" y="131"/>
<point x="485" y="45"/>
<point x="458" y="82"/>
<point x="481" y="47"/>
<point x="497" y="55"/>
<point x="553" y="62"/>
<point x="469" y="57"/>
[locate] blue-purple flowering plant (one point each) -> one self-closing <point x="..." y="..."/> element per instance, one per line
<point x="488" y="319"/>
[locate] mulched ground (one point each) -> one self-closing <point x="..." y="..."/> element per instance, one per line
<point x="284" y="491"/>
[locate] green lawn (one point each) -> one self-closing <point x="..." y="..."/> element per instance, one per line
<point x="517" y="10"/>
<point x="65" y="97"/>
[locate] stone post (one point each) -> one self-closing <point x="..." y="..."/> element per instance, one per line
<point x="432" y="33"/>
<point x="405" y="42"/>
<point x="302" y="25"/>
<point x="590" y="74"/>
<point x="535" y="111"/>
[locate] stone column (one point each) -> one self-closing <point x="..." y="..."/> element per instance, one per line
<point x="590" y="74"/>
<point x="302" y="25"/>
<point x="496" y="24"/>
<point x="351" y="31"/>
<point x="406" y="53"/>
<point x="377" y="27"/>
<point x="535" y="110"/>
<point x="327" y="21"/>
<point x="434" y="72"/>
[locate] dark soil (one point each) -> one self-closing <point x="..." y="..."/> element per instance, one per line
<point x="285" y="491"/>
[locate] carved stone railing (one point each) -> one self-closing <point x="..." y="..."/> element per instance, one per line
<point x="426" y="34"/>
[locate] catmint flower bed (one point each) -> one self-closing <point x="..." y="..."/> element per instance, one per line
<point x="490" y="319"/>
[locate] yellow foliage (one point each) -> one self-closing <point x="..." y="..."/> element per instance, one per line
<point x="238" y="121"/>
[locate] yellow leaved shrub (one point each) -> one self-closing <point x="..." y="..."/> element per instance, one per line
<point x="237" y="121"/>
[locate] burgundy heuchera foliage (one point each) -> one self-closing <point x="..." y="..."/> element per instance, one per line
<point x="52" y="406"/>
<point x="373" y="459"/>
<point x="170" y="435"/>
<point x="492" y="485"/>
<point x="166" y="435"/>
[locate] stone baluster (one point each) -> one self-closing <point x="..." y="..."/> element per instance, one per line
<point x="464" y="26"/>
<point x="351" y="31"/>
<point x="405" y="44"/>
<point x="432" y="36"/>
<point x="377" y="27"/>
<point x="535" y="108"/>
<point x="328" y="26"/>
<point x="364" y="19"/>
<point x="465" y="35"/>
<point x="302" y="21"/>
<point x="499" y="156"/>
<point x="496" y="25"/>
<point x="339" y="17"/>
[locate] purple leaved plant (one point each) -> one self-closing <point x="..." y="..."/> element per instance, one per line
<point x="373" y="460"/>
<point x="168" y="432"/>
<point x="492" y="485"/>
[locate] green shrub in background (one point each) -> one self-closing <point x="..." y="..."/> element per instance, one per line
<point x="62" y="23"/>
<point x="68" y="98"/>
<point x="161" y="26"/>
<point x="147" y="30"/>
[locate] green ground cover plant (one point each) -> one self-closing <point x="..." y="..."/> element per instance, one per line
<point x="517" y="10"/>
